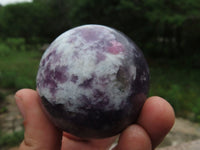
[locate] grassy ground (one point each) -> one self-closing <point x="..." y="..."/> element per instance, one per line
<point x="10" y="140"/>
<point x="18" y="69"/>
<point x="180" y="86"/>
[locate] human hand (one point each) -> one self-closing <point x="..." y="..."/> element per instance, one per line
<point x="155" y="121"/>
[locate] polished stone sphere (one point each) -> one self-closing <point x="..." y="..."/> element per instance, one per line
<point x="93" y="81"/>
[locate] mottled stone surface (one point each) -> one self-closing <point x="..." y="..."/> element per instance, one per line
<point x="93" y="81"/>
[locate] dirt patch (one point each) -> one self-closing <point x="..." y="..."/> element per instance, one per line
<point x="183" y="131"/>
<point x="11" y="120"/>
<point x="193" y="145"/>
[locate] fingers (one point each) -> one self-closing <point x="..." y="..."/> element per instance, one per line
<point x="134" y="138"/>
<point x="39" y="132"/>
<point x="155" y="121"/>
<point x="157" y="118"/>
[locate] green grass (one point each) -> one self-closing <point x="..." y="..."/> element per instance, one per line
<point x="9" y="140"/>
<point x="180" y="87"/>
<point x="18" y="68"/>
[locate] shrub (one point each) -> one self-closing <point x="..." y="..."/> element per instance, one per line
<point x="8" y="140"/>
<point x="2" y="96"/>
<point x="16" y="43"/>
<point x="24" y="82"/>
<point x="4" y="50"/>
<point x="7" y="79"/>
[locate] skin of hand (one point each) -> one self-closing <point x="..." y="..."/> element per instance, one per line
<point x="155" y="121"/>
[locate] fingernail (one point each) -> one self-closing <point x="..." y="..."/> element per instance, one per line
<point x="20" y="106"/>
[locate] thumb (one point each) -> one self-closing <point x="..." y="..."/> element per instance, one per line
<point x="39" y="134"/>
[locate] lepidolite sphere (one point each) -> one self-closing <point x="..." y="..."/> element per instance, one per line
<point x="93" y="81"/>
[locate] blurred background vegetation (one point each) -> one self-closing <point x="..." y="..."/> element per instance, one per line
<point x="168" y="32"/>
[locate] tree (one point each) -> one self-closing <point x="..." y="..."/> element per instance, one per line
<point x="58" y="13"/>
<point x="24" y="20"/>
<point x="171" y="19"/>
<point x="124" y="15"/>
<point x="158" y="27"/>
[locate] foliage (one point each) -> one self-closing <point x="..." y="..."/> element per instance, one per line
<point x="124" y="15"/>
<point x="2" y="97"/>
<point x="4" y="50"/>
<point x="180" y="86"/>
<point x="161" y="28"/>
<point x="8" y="140"/>
<point x="18" y="69"/>
<point x="3" y="109"/>
<point x="173" y="21"/>
<point x="16" y="43"/>
<point x="25" y="20"/>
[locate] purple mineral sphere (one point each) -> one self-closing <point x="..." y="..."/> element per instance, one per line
<point x="93" y="81"/>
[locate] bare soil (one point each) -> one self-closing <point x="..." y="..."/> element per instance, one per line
<point x="183" y="131"/>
